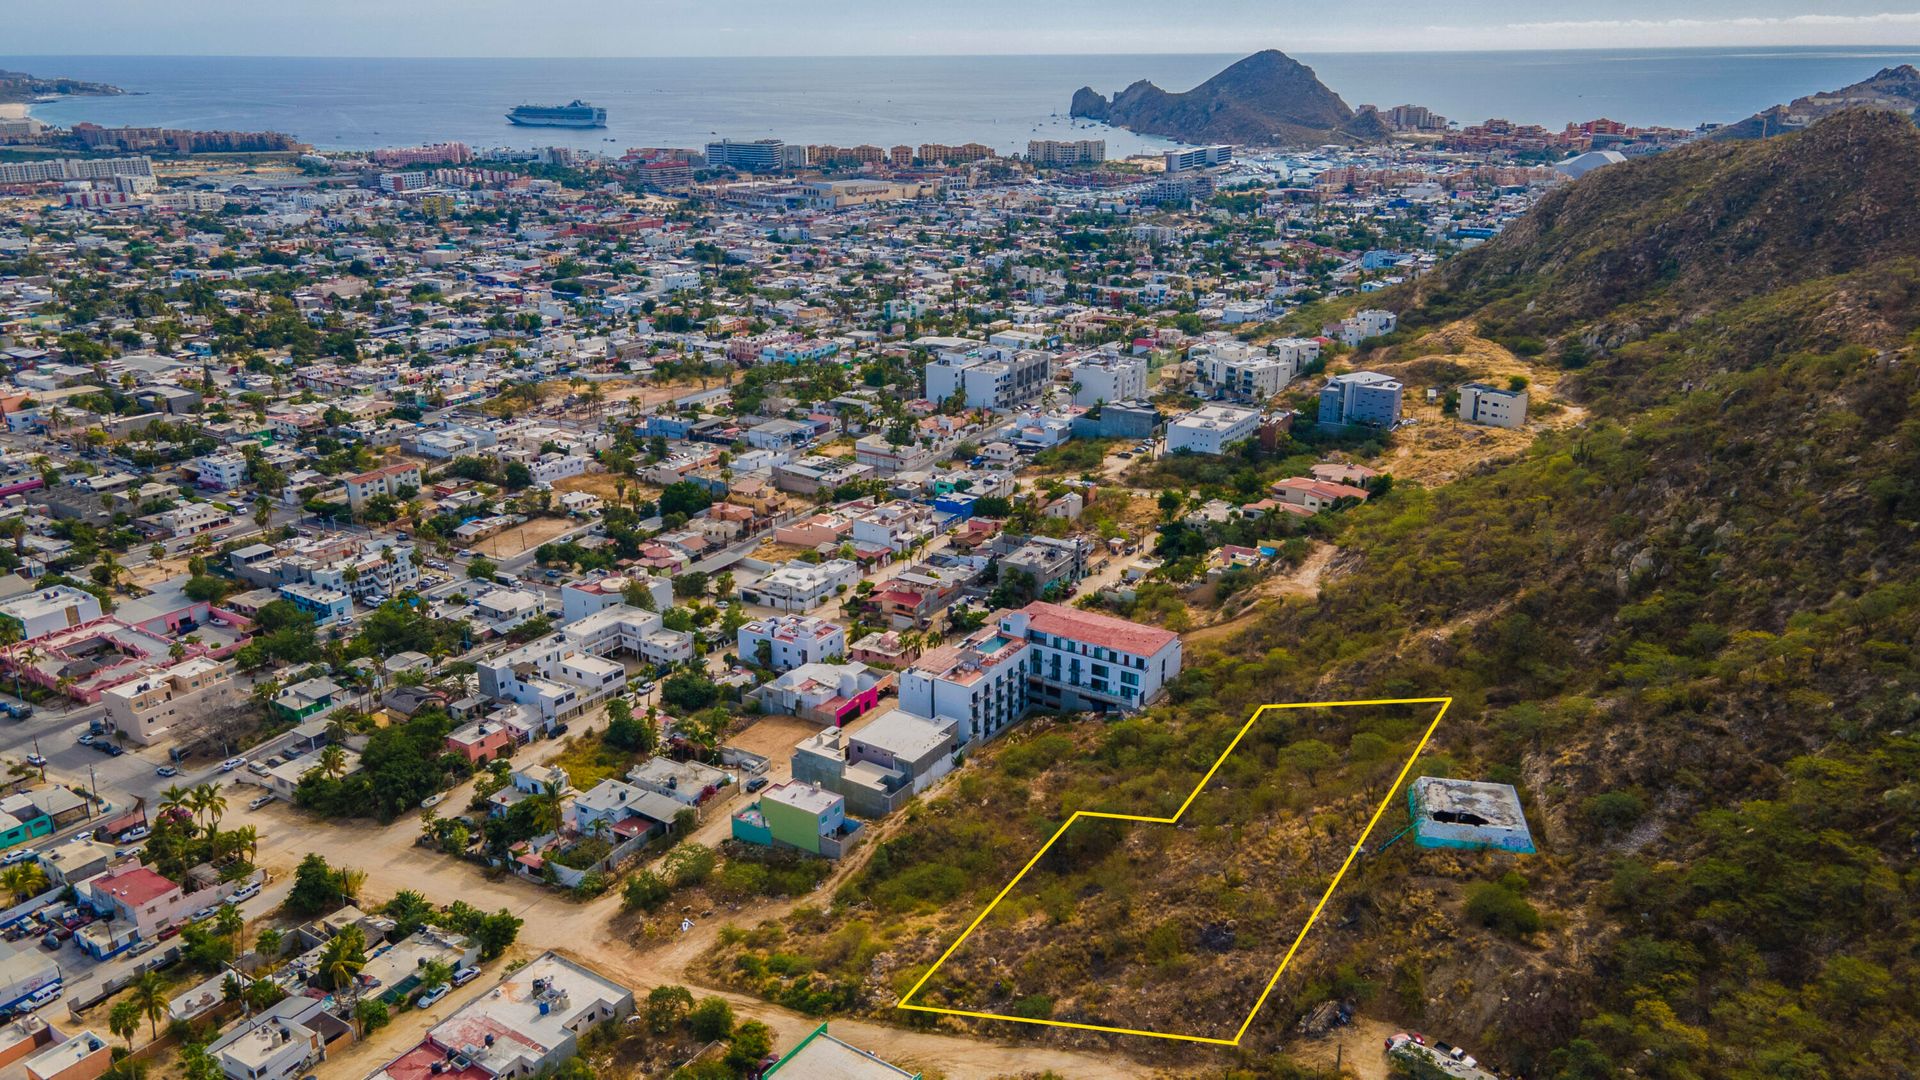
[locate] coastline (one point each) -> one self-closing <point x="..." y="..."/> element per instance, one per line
<point x="15" y="110"/>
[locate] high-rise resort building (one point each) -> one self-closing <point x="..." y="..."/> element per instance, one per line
<point x="758" y="155"/>
<point x="1054" y="152"/>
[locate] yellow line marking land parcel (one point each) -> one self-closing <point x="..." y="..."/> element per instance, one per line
<point x="1353" y="853"/>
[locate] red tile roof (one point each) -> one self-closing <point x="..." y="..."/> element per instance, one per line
<point x="1096" y="629"/>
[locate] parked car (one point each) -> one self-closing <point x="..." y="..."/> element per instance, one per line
<point x="17" y="855"/>
<point x="431" y="997"/>
<point x="86" y="738"/>
<point x="257" y="768"/>
<point x="232" y="763"/>
<point x="756" y="784"/>
<point x="167" y="770"/>
<point x="245" y="892"/>
<point x="36" y="761"/>
<point x="259" y="802"/>
<point x="465" y="975"/>
<point x="84" y="834"/>
<point x="138" y="832"/>
<point x="434" y="799"/>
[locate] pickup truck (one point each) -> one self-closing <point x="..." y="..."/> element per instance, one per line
<point x="18" y="712"/>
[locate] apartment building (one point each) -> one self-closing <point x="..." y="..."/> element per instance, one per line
<point x="1052" y="153"/>
<point x="1492" y="406"/>
<point x="387" y="480"/>
<point x="1086" y="660"/>
<point x="223" y="471"/>
<point x="1250" y="373"/>
<point x="1106" y="378"/>
<point x="784" y="642"/>
<point x="979" y="682"/>
<point x="168" y="701"/>
<point x="894" y="526"/>
<point x="1361" y="397"/>
<point x="802" y="586"/>
<point x="985" y="377"/>
<point x="1211" y="429"/>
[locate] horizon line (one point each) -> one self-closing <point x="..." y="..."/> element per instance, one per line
<point x="1865" y="50"/>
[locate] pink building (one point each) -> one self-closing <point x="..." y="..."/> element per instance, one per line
<point x="481" y="741"/>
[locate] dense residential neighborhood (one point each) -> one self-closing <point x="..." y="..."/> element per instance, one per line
<point x="608" y="540"/>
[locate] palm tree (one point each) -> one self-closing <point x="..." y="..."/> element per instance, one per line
<point x="9" y="640"/>
<point x="333" y="762"/>
<point x="24" y="880"/>
<point x="343" y="957"/>
<point x="247" y="838"/>
<point x="124" y="1020"/>
<point x="176" y="798"/>
<point x="208" y="800"/>
<point x="149" y="993"/>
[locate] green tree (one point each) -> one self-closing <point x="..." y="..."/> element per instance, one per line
<point x="711" y="1019"/>
<point x="665" y="1006"/>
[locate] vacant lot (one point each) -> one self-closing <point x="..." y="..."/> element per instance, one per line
<point x="523" y="537"/>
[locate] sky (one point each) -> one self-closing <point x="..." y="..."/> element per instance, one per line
<point x="910" y="27"/>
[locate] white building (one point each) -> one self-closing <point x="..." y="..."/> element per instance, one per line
<point x="979" y="682"/>
<point x="579" y="599"/>
<point x="503" y="609"/>
<point x="895" y="526"/>
<point x="528" y="1024"/>
<point x="56" y="607"/>
<point x="988" y="377"/>
<point x="802" y="586"/>
<point x="220" y="472"/>
<point x="1210" y="429"/>
<point x="1108" y="377"/>
<point x="1494" y="407"/>
<point x="1086" y="660"/>
<point x="792" y="640"/>
<point x="1240" y="372"/>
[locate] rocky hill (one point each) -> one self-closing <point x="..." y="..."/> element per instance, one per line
<point x="1896" y="89"/>
<point x="1686" y="630"/>
<point x="20" y="86"/>
<point x="1267" y="99"/>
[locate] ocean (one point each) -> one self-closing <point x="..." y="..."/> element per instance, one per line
<point x="346" y="103"/>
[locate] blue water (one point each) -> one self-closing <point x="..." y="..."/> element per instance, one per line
<point x="1002" y="101"/>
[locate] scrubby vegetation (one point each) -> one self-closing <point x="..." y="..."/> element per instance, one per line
<point x="1685" y="630"/>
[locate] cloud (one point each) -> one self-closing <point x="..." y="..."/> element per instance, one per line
<point x="1811" y="28"/>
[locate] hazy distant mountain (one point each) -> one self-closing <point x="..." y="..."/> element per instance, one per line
<point x="20" y="86"/>
<point x="1896" y="89"/>
<point x="1267" y="99"/>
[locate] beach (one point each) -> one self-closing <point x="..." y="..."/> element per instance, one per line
<point x="13" y="110"/>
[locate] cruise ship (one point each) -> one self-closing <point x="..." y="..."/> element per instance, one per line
<point x="574" y="114"/>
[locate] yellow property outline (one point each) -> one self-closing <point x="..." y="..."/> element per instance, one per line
<point x="1354" y="853"/>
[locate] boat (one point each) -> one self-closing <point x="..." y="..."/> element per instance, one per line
<point x="574" y="114"/>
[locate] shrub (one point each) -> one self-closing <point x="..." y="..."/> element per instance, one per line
<point x="1500" y="907"/>
<point x="1613" y="811"/>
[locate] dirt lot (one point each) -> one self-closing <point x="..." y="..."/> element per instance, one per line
<point x="774" y="736"/>
<point x="523" y="537"/>
<point x="653" y="393"/>
<point x="1439" y="448"/>
<point x="606" y="485"/>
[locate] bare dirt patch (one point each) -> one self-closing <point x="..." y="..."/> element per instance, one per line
<point x="1438" y="448"/>
<point x="523" y="537"/>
